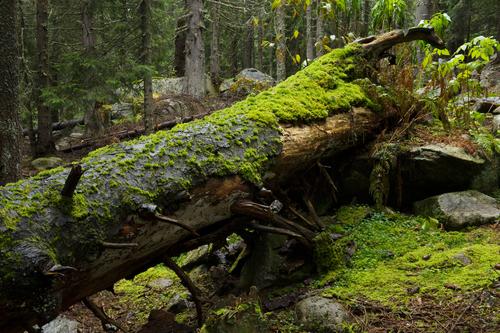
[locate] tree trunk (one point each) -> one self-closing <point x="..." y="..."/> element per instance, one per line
<point x="214" y="46"/>
<point x="279" y="27"/>
<point x="93" y="123"/>
<point x="423" y="10"/>
<point x="195" y="51"/>
<point x="309" y="34"/>
<point x="147" y="61"/>
<point x="164" y="193"/>
<point x="366" y="17"/>
<point x="45" y="143"/>
<point x="260" y="48"/>
<point x="10" y="127"/>
<point x="248" y="56"/>
<point x="320" y="33"/>
<point x="180" y="47"/>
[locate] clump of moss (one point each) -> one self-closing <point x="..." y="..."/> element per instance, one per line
<point x="241" y="318"/>
<point x="329" y="254"/>
<point x="395" y="254"/>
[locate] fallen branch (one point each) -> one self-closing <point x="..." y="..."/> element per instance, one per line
<point x="101" y="315"/>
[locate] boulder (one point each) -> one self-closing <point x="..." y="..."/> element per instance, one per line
<point x="487" y="104"/>
<point x="61" y="325"/>
<point x="496" y="123"/>
<point x="160" y="284"/>
<point x="248" y="81"/>
<point x="320" y="314"/>
<point x="122" y="111"/>
<point x="175" y="85"/>
<point x="460" y="209"/>
<point x="45" y="163"/>
<point x="490" y="77"/>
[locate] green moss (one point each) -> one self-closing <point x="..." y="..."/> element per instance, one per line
<point x="391" y="259"/>
<point x="328" y="254"/>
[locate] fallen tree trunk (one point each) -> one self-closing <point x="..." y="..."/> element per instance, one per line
<point x="57" y="249"/>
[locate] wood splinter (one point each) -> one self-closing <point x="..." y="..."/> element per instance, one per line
<point x="72" y="181"/>
<point x="169" y="220"/>
<point x="103" y="317"/>
<point x="117" y="246"/>
<point x="188" y="283"/>
<point x="149" y="212"/>
<point x="273" y="230"/>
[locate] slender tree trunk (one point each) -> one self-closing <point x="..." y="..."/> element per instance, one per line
<point x="10" y="127"/>
<point x="279" y="27"/>
<point x="423" y="10"/>
<point x="309" y="34"/>
<point x="147" y="62"/>
<point x="320" y="33"/>
<point x="249" y="45"/>
<point x="366" y="17"/>
<point x="214" y="46"/>
<point x="45" y="143"/>
<point x="93" y="123"/>
<point x="259" y="63"/>
<point x="234" y="54"/>
<point x="195" y="51"/>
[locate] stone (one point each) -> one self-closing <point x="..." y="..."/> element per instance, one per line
<point x="245" y="318"/>
<point x="248" y="81"/>
<point x="178" y="304"/>
<point x="160" y="284"/>
<point x="61" y="325"/>
<point x="63" y="143"/>
<point x="496" y="123"/>
<point x="463" y="259"/>
<point x="490" y="76"/>
<point x="45" y="163"/>
<point x="320" y="314"/>
<point x="460" y="209"/>
<point x="122" y="111"/>
<point x="497" y="110"/>
<point x="78" y="132"/>
<point x="487" y="104"/>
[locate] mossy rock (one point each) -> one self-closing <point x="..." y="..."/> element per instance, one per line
<point x="46" y="163"/>
<point x="243" y="318"/>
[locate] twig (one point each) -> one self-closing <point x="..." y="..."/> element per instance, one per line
<point x="272" y="230"/>
<point x="455" y="323"/>
<point x="72" y="181"/>
<point x="325" y="174"/>
<point x="99" y="313"/>
<point x="313" y="213"/>
<point x="109" y="245"/>
<point x="186" y="281"/>
<point x="293" y="210"/>
<point x="170" y="220"/>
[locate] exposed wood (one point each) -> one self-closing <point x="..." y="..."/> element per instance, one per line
<point x="273" y="230"/>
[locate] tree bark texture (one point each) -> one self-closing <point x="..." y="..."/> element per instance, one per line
<point x="56" y="250"/>
<point x="45" y="143"/>
<point x="195" y="51"/>
<point x="214" y="45"/>
<point x="309" y="33"/>
<point x="320" y="32"/>
<point x="10" y="127"/>
<point x="147" y="61"/>
<point x="280" y="31"/>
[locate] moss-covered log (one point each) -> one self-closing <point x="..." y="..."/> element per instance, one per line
<point x="56" y="250"/>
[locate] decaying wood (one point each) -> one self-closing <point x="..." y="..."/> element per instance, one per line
<point x="101" y="315"/>
<point x="204" y="173"/>
<point x="72" y="181"/>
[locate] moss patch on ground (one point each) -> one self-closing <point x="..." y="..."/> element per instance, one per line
<point x="397" y="256"/>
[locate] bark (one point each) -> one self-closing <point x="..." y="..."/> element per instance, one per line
<point x="55" y="251"/>
<point x="93" y="123"/>
<point x="259" y="61"/>
<point x="214" y="46"/>
<point x="320" y="33"/>
<point x="195" y="51"/>
<point x="309" y="34"/>
<point x="423" y="10"/>
<point x="248" y="57"/>
<point x="147" y="55"/>
<point x="10" y="128"/>
<point x="45" y="143"/>
<point x="180" y="47"/>
<point x="279" y="27"/>
<point x="366" y="17"/>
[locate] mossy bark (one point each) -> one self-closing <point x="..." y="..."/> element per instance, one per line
<point x="192" y="173"/>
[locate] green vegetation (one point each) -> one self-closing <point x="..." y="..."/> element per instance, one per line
<point x="396" y="254"/>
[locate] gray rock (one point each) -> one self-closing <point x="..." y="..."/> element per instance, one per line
<point x="496" y="123"/>
<point x="460" y="209"/>
<point x="160" y="284"/>
<point x="487" y="104"/>
<point x="178" y="304"/>
<point x="122" y="111"/>
<point x="497" y="110"/>
<point x="463" y="259"/>
<point x="248" y="81"/>
<point x="319" y="314"/>
<point x="61" y="325"/>
<point x="63" y="143"/>
<point x="490" y="76"/>
<point x="45" y="163"/>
